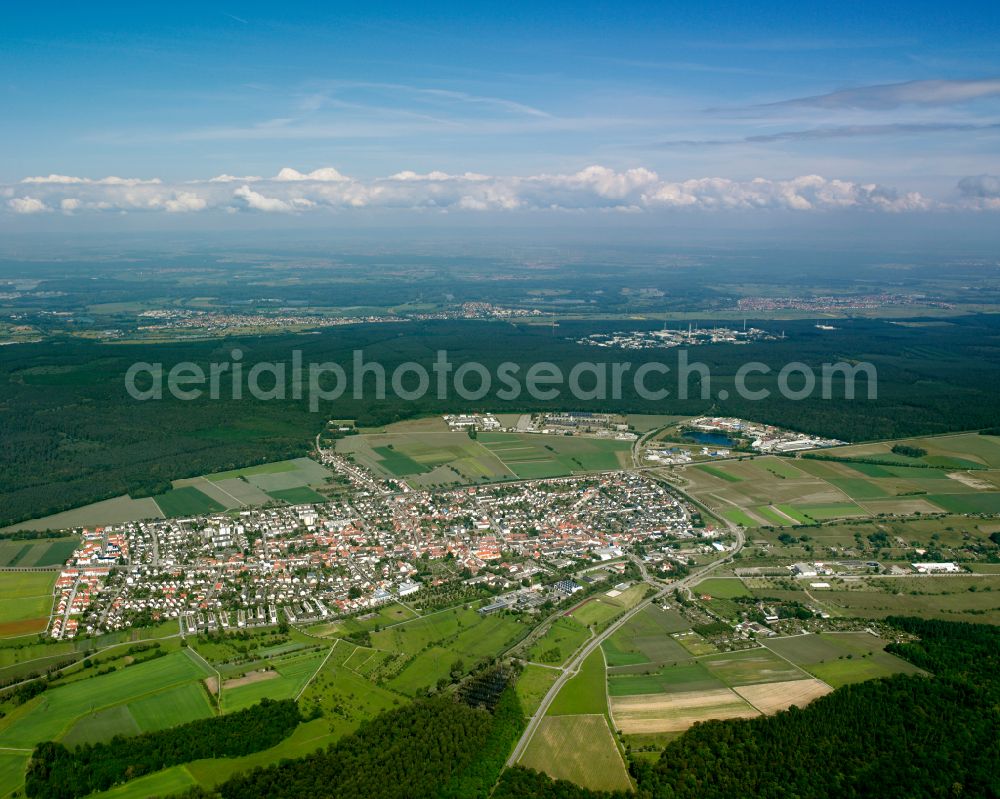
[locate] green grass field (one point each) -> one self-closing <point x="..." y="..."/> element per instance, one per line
<point x="580" y="749"/>
<point x="12" y="768"/>
<point x="429" y="457"/>
<point x="646" y="639"/>
<point x="410" y="637"/>
<point x="750" y="667"/>
<point x="53" y="712"/>
<point x="29" y="554"/>
<point x="383" y="617"/>
<point x="770" y="491"/>
<point x="841" y="658"/>
<point x="601" y="609"/>
<point x="583" y="693"/>
<point x="102" y="726"/>
<point x="561" y="640"/>
<point x="722" y="474"/>
<point x="162" y="783"/>
<point x="967" y="503"/>
<point x="476" y="639"/>
<point x="345" y="697"/>
<point x="799" y="517"/>
<point x="178" y="705"/>
<point x="722" y="587"/>
<point x="740" y="517"/>
<point x="265" y="468"/>
<point x="303" y="495"/>
<point x="958" y="451"/>
<point x="532" y="685"/>
<point x="187" y="501"/>
<point x="399" y="463"/>
<point x="25" y="601"/>
<point x="533" y="455"/>
<point x="672" y="678"/>
<point x="293" y="672"/>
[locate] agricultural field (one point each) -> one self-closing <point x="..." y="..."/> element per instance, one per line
<point x="162" y="783"/>
<point x="51" y="714"/>
<point x="437" y="644"/>
<point x="675" y="712"/>
<point x="681" y="676"/>
<point x="344" y="695"/>
<point x="109" y="511"/>
<point x="768" y="491"/>
<point x="212" y="493"/>
<point x="291" y="674"/>
<point x="751" y="666"/>
<point x="958" y="451"/>
<point x="584" y="692"/>
<point x="187" y="501"/>
<point x="646" y="638"/>
<point x="695" y="643"/>
<point x="25" y="601"/>
<point x="841" y="658"/>
<point x="885" y="539"/>
<point x="579" y="748"/>
<point x="102" y="726"/>
<point x="669" y="699"/>
<point x="302" y="495"/>
<point x="37" y="554"/>
<point x="532" y="456"/>
<point x="870" y="600"/>
<point x="600" y="609"/>
<point x="12" y="768"/>
<point x="723" y="588"/>
<point x="175" y="706"/>
<point x="292" y="481"/>
<point x="426" y="458"/>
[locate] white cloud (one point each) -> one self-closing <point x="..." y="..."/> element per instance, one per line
<point x="111" y="180"/>
<point x="259" y="202"/>
<point x="224" y="178"/>
<point x="185" y="201"/>
<point x="436" y="175"/>
<point x="27" y="205"/>
<point x="805" y="193"/>
<point x="325" y="175"/>
<point x="594" y="188"/>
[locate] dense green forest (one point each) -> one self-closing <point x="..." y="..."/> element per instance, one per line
<point x="904" y="736"/>
<point x="435" y="747"/>
<point x="70" y="434"/>
<point x="56" y="772"/>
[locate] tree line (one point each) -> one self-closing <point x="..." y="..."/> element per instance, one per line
<point x="56" y="772"/>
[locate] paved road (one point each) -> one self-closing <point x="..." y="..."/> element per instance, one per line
<point x="573" y="668"/>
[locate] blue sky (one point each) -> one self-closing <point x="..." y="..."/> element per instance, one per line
<point x="493" y="108"/>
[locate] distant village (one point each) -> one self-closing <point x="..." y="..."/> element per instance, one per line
<point x="671" y="337"/>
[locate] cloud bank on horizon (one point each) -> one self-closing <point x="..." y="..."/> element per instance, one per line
<point x="595" y="188"/>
